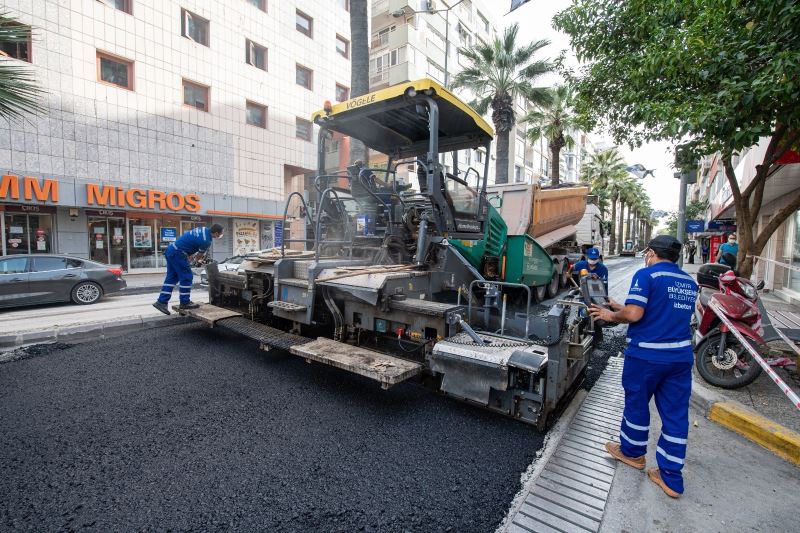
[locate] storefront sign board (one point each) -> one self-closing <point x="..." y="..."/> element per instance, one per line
<point x="245" y="234"/>
<point x="169" y="234"/>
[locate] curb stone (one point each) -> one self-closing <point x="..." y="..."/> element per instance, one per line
<point x="91" y="331"/>
<point x="740" y="419"/>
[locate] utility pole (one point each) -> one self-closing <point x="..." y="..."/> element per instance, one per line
<point x="682" y="212"/>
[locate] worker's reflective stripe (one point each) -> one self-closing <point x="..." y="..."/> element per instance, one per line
<point x="671" y="275"/>
<point x="669" y="457"/>
<point x="634" y="442"/>
<point x="168" y="285"/>
<point x="627" y="339"/>
<point x="670" y="438"/>
<point x="634" y="426"/>
<point x="642" y="299"/>
<point x="185" y="286"/>
<point x="665" y="345"/>
<point x="167" y="292"/>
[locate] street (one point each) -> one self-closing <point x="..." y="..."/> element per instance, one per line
<point x="186" y="427"/>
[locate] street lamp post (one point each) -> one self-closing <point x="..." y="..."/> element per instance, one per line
<point x="402" y="12"/>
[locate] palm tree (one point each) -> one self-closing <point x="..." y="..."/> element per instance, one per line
<point x="625" y="192"/>
<point x="605" y="171"/>
<point x="359" y="64"/>
<point x="19" y="92"/>
<point x="553" y="121"/>
<point x="497" y="74"/>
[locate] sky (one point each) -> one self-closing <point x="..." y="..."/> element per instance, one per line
<point x="535" y="21"/>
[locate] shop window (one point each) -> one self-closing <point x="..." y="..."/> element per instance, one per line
<point x="115" y="70"/>
<point x="195" y="95"/>
<point x="122" y="5"/>
<point x="194" y="27"/>
<point x="15" y="265"/>
<point x="342" y="93"/>
<point x="107" y="240"/>
<point x="256" y="114"/>
<point x="304" y="77"/>
<point x="256" y="55"/>
<point x="304" y="24"/>
<point x="28" y="233"/>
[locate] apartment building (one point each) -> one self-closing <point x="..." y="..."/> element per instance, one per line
<point x="413" y="39"/>
<point x="162" y="116"/>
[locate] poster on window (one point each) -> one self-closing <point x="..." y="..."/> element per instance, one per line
<point x="142" y="237"/>
<point x="245" y="235"/>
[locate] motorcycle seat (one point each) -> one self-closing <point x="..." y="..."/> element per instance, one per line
<point x="705" y="295"/>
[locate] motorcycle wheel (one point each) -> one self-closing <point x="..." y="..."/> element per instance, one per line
<point x="725" y="373"/>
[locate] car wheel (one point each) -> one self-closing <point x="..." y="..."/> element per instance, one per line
<point x="86" y="292"/>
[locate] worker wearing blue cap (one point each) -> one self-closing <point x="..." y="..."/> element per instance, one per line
<point x="592" y="265"/>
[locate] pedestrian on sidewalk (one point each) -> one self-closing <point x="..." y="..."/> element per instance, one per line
<point x="728" y="252"/>
<point x="194" y="241"/>
<point x="692" y="252"/>
<point x="658" y="362"/>
<point x="705" y="251"/>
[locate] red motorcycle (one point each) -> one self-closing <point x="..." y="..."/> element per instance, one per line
<point x="719" y="356"/>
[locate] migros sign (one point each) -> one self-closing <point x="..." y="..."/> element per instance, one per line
<point x="33" y="189"/>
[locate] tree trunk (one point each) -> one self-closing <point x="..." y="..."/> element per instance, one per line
<point x="629" y="229"/>
<point x="748" y="202"/>
<point x="359" y="65"/>
<point x="555" y="167"/>
<point x="612" y="236"/>
<point x="501" y="164"/>
<point x="620" y="243"/>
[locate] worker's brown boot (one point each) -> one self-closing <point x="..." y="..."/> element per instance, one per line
<point x="190" y="305"/>
<point x="655" y="476"/>
<point x="616" y="453"/>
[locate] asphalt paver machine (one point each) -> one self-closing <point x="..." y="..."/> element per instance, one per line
<point x="396" y="283"/>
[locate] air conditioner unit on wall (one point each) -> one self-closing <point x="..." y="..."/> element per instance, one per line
<point x="429" y="5"/>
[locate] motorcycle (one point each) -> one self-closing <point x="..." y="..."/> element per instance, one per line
<point x="719" y="356"/>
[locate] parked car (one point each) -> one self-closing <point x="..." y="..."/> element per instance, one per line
<point x="46" y="278"/>
<point x="230" y="264"/>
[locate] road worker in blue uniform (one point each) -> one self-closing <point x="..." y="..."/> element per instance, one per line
<point x="593" y="265"/>
<point x="658" y="362"/>
<point x="194" y="241"/>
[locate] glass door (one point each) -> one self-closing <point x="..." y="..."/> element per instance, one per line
<point x="117" y="242"/>
<point x="98" y="239"/>
<point x="17" y="234"/>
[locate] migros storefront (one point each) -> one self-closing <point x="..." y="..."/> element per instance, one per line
<point x="126" y="225"/>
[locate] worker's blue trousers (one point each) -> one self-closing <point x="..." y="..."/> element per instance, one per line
<point x="178" y="272"/>
<point x="671" y="384"/>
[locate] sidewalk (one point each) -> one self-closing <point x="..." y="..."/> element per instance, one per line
<point x="763" y="396"/>
<point x="142" y="283"/>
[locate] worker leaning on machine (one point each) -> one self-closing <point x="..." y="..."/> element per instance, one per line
<point x="194" y="241"/>
<point x="658" y="362"/>
<point x="593" y="266"/>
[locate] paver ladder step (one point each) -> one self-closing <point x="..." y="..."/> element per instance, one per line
<point x="385" y="369"/>
<point x="210" y="314"/>
<point x="289" y="307"/>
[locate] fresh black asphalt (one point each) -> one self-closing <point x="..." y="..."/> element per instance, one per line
<point x="187" y="428"/>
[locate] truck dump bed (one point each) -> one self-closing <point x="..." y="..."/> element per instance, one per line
<point x="548" y="214"/>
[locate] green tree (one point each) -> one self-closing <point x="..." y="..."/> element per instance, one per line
<point x="722" y="73"/>
<point x="605" y="172"/>
<point x="359" y="64"/>
<point x="497" y="73"/>
<point x="553" y="121"/>
<point x="19" y="92"/>
<point x="694" y="210"/>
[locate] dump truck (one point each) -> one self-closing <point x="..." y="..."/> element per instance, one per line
<point x="394" y="284"/>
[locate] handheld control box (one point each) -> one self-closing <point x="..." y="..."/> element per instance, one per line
<point x="593" y="292"/>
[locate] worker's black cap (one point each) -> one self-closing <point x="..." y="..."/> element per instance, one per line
<point x="666" y="243"/>
<point x="216" y="228"/>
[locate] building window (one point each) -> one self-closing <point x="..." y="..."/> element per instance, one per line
<point x="435" y="71"/>
<point x="195" y="95"/>
<point x="479" y="156"/>
<point x="305" y="77"/>
<point x="115" y="70"/>
<point x="122" y="5"/>
<point x="304" y="24"/>
<point x="260" y="4"/>
<point x="256" y="114"/>
<point x="344" y="4"/>
<point x="17" y="50"/>
<point x="342" y="93"/>
<point x="484" y="23"/>
<point x="303" y="129"/>
<point x="342" y="47"/>
<point x="194" y="27"/>
<point x="518" y="176"/>
<point x="255" y="55"/>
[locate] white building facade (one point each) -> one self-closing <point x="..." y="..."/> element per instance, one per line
<point x="163" y="115"/>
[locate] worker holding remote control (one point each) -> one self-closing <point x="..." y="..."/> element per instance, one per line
<point x="592" y="265"/>
<point x="658" y="362"/>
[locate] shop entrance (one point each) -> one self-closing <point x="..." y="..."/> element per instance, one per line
<point x="27" y="233"/>
<point x="107" y="240"/>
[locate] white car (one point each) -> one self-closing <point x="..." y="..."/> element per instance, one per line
<point x="230" y="264"/>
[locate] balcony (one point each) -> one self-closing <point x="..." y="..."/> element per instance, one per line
<point x="393" y="39"/>
<point x="390" y="76"/>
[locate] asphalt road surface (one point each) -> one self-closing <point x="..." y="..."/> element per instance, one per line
<point x="188" y="428"/>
